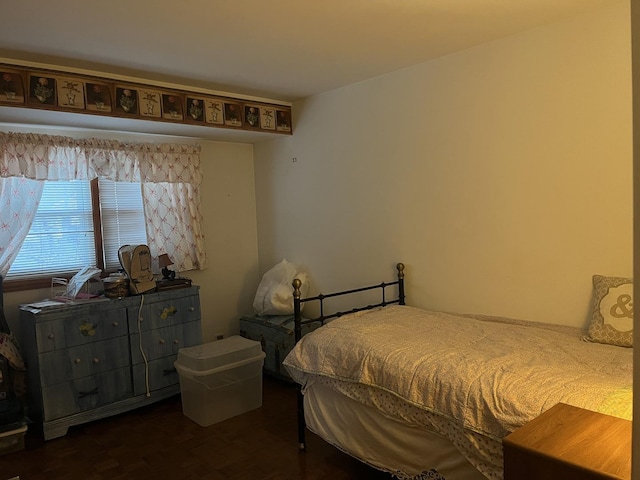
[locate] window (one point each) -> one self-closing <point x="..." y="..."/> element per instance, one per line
<point x="80" y="223"/>
<point x="61" y="237"/>
<point x="168" y="182"/>
<point x="122" y="216"/>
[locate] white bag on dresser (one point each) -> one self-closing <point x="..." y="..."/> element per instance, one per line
<point x="275" y="292"/>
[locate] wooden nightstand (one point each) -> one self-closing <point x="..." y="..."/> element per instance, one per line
<point x="569" y="443"/>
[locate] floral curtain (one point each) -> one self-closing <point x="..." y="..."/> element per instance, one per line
<point x="19" y="199"/>
<point x="169" y="174"/>
<point x="170" y="177"/>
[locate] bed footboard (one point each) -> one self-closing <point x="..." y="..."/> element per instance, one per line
<point x="322" y="318"/>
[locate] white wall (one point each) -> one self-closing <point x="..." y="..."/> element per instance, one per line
<point x="501" y="176"/>
<point x="229" y="208"/>
<point x="228" y="285"/>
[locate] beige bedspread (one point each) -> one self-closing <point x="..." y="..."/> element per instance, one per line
<point x="487" y="376"/>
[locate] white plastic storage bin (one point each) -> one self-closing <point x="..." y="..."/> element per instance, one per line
<point x="221" y="379"/>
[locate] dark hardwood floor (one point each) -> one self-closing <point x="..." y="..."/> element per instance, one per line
<point x="158" y="442"/>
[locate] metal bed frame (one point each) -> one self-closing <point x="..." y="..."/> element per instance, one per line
<point x="322" y="318"/>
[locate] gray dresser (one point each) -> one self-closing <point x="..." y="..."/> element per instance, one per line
<point x="93" y="360"/>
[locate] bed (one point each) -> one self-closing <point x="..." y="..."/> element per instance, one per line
<point x="423" y="394"/>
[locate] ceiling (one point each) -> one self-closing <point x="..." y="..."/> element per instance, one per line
<point x="281" y="50"/>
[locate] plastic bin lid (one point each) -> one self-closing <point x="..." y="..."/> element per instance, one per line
<point x="219" y="353"/>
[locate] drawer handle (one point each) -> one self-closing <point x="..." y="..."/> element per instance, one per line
<point x="176" y="342"/>
<point x="51" y="336"/>
<point x="168" y="371"/>
<point x="192" y="309"/>
<point x="76" y="361"/>
<point x="115" y="324"/>
<point x="162" y="341"/>
<point x="86" y="394"/>
<point x="96" y="360"/>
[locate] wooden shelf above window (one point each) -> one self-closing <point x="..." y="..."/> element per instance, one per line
<point x="56" y="90"/>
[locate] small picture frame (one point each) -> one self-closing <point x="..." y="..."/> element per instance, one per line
<point x="70" y="93"/>
<point x="42" y="90"/>
<point x="98" y="97"/>
<point x="232" y="114"/>
<point x="267" y="118"/>
<point x="150" y="103"/>
<point x="252" y="116"/>
<point x="283" y="120"/>
<point x="195" y="109"/>
<point x="126" y="100"/>
<point x="11" y="86"/>
<point x="214" y="111"/>
<point x="172" y="107"/>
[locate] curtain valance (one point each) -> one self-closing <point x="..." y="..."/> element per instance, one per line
<point x="50" y="157"/>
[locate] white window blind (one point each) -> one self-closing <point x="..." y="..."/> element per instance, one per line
<point x="122" y="218"/>
<point x="61" y="237"/>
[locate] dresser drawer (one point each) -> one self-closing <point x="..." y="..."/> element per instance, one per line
<point x="83" y="328"/>
<point x="64" y="365"/>
<point x="86" y="393"/>
<point x="162" y="342"/>
<point x="172" y="311"/>
<point x="162" y="373"/>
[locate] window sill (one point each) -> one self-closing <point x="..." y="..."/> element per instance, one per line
<point x="28" y="284"/>
<point x="36" y="283"/>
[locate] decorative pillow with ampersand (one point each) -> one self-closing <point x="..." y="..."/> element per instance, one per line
<point x="612" y="317"/>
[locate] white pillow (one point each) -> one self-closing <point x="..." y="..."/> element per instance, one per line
<point x="275" y="291"/>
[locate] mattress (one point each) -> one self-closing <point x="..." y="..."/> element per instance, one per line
<point x="391" y="444"/>
<point x="470" y="380"/>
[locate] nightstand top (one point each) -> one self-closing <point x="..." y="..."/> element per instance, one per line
<point x="593" y="442"/>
